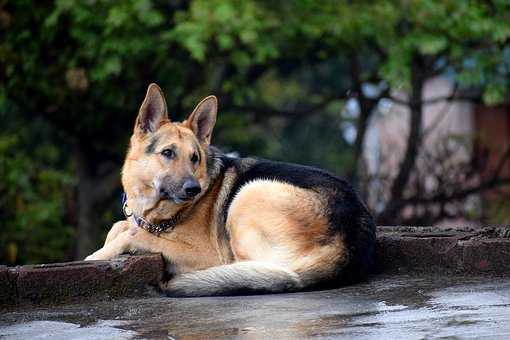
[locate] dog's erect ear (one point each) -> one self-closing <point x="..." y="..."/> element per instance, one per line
<point x="202" y="119"/>
<point x="153" y="112"/>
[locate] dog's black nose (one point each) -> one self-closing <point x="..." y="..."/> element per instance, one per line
<point x="191" y="187"/>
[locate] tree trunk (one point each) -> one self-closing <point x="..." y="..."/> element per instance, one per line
<point x="366" y="108"/>
<point x="396" y="201"/>
<point x="86" y="228"/>
<point x="93" y="192"/>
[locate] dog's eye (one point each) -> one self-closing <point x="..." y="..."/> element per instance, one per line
<point x="194" y="157"/>
<point x="168" y="153"/>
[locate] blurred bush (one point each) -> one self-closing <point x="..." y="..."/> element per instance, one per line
<point x="35" y="193"/>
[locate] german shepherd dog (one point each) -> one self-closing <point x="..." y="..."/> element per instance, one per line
<point x="228" y="225"/>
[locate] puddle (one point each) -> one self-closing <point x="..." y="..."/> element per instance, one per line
<point x="388" y="307"/>
<point x="57" y="330"/>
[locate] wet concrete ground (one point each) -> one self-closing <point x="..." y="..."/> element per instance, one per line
<point x="387" y="307"/>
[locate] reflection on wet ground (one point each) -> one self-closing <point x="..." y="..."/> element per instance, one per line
<point x="387" y="307"/>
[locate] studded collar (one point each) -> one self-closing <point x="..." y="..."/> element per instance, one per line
<point x="153" y="228"/>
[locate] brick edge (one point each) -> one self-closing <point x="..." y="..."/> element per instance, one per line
<point x="47" y="284"/>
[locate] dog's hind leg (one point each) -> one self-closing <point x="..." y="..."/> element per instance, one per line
<point x="283" y="224"/>
<point x="280" y="239"/>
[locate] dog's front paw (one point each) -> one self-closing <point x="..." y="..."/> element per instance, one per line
<point x="120" y="245"/>
<point x="99" y="255"/>
<point x="92" y="257"/>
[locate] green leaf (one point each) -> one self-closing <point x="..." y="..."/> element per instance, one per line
<point x="432" y="45"/>
<point x="494" y="94"/>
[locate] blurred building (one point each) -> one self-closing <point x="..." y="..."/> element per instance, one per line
<point x="457" y="136"/>
<point x="493" y="126"/>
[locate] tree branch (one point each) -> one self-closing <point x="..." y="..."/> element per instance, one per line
<point x="461" y="194"/>
<point x="269" y="111"/>
<point x="502" y="161"/>
<point x="451" y="97"/>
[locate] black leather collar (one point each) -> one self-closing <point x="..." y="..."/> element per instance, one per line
<point x="166" y="225"/>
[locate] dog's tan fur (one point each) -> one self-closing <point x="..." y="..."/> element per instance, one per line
<point x="277" y="222"/>
<point x="270" y="225"/>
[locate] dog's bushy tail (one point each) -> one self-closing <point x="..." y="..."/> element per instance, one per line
<point x="248" y="277"/>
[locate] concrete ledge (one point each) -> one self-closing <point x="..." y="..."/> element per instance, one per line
<point x="75" y="281"/>
<point x="7" y="287"/>
<point x="437" y="250"/>
<point x="463" y="251"/>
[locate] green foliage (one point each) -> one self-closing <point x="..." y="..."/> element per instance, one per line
<point x="497" y="210"/>
<point x="33" y="194"/>
<point x="224" y="23"/>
